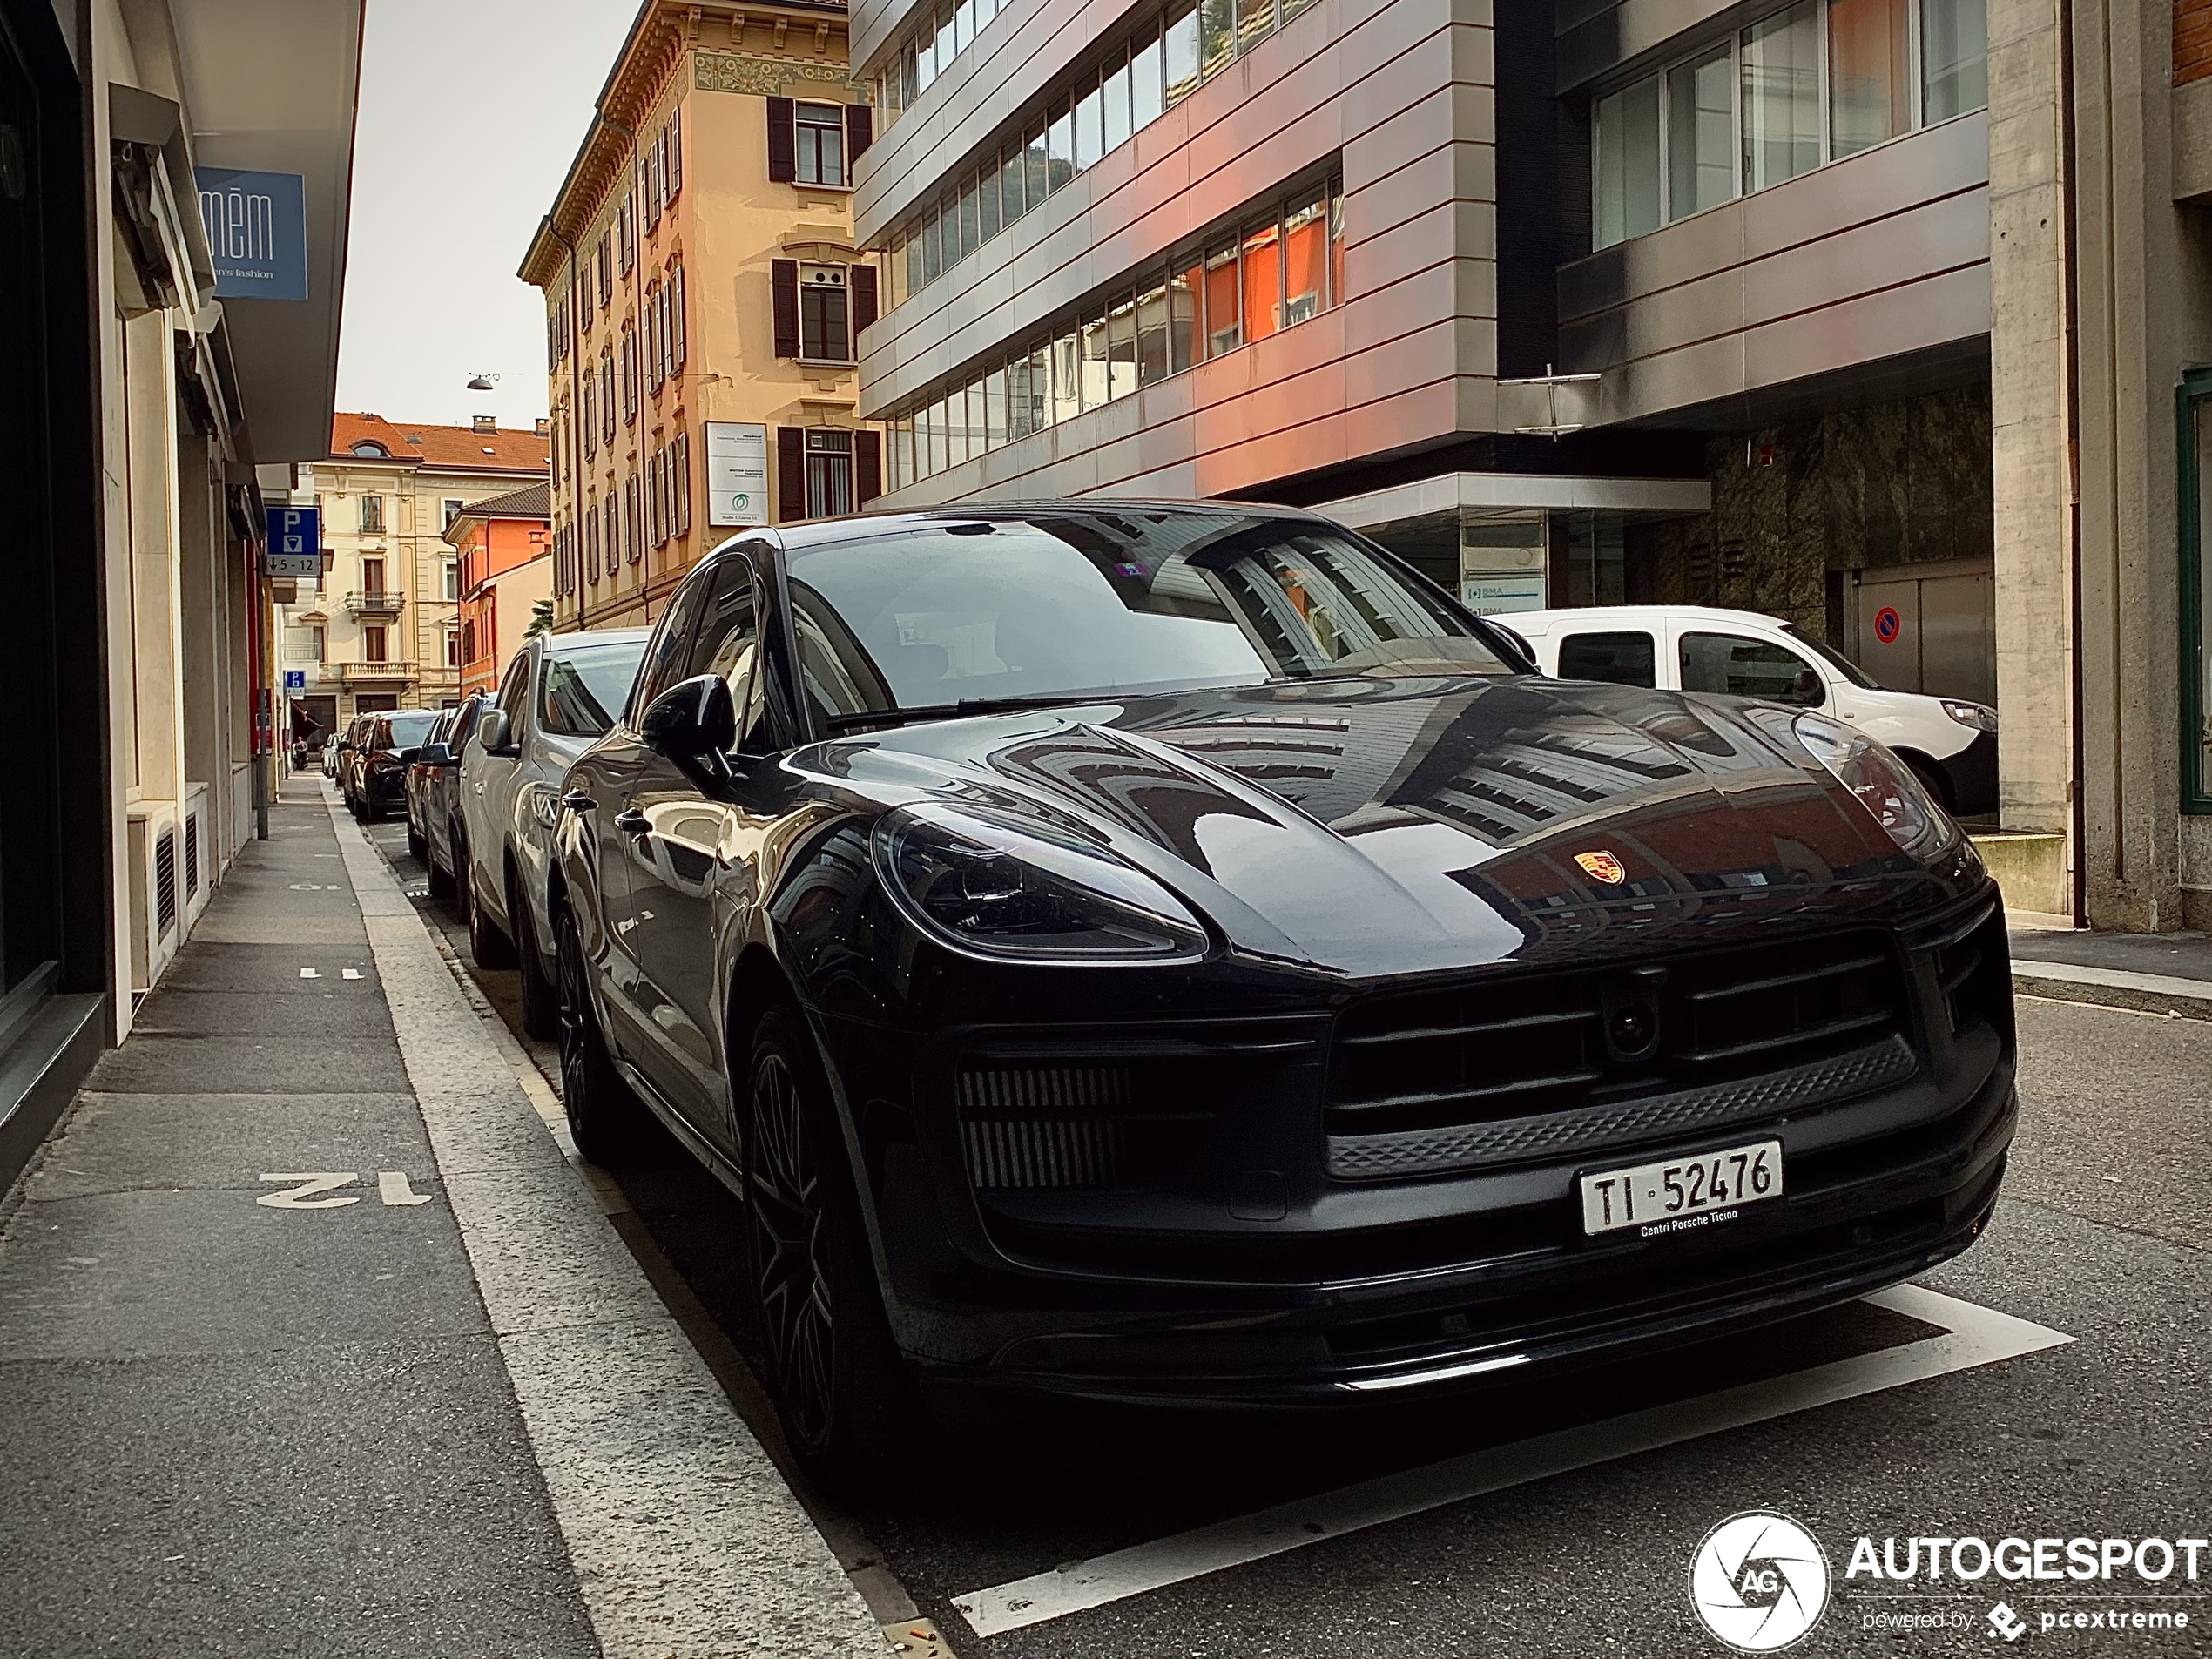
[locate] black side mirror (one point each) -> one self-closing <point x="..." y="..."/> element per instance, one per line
<point x="406" y="757"/>
<point x="1807" y="688"/>
<point x="433" y="754"/>
<point x="492" y="732"/>
<point x="345" y="746"/>
<point x="692" y="720"/>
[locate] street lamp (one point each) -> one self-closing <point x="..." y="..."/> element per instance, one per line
<point x="481" y="382"/>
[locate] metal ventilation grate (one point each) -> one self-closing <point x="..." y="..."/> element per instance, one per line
<point x="164" y="882"/>
<point x="192" y="855"/>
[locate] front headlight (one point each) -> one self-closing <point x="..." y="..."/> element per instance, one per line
<point x="1006" y="888"/>
<point x="1884" y="785"/>
<point x="1972" y="714"/>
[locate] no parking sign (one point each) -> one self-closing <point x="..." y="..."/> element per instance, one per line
<point x="1888" y="624"/>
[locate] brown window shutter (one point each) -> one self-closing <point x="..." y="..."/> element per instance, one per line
<point x="859" y="130"/>
<point x="675" y="151"/>
<point x="682" y="348"/>
<point x="790" y="474"/>
<point x="783" y="143"/>
<point x="862" y="279"/>
<point x="867" y="466"/>
<point x="783" y="279"/>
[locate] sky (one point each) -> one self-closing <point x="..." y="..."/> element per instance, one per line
<point x="470" y="112"/>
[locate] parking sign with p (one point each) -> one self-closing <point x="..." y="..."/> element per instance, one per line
<point x="295" y="543"/>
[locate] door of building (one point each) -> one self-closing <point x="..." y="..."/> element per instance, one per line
<point x="1929" y="628"/>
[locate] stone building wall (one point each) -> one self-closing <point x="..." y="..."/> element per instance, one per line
<point x="1796" y="504"/>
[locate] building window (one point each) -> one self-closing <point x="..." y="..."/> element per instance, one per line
<point x="373" y="644"/>
<point x="829" y="472"/>
<point x="371" y="515"/>
<point x="453" y="578"/>
<point x="373" y="578"/>
<point x="453" y="511"/>
<point x="1282" y="270"/>
<point x="821" y="145"/>
<point x="1814" y="82"/>
<point x="453" y="648"/>
<point x="824" y="335"/>
<point x="1955" y="57"/>
<point x="1781" y="97"/>
<point x="317" y="643"/>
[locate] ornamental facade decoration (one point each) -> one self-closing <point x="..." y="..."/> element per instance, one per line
<point x="765" y="77"/>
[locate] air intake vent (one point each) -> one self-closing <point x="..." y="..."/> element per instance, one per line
<point x="1049" y="1152"/>
<point x="1018" y="1131"/>
<point x="165" y="883"/>
<point x="192" y="856"/>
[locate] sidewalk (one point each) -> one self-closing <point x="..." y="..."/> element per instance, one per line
<point x="2153" y="972"/>
<point x="312" y="1341"/>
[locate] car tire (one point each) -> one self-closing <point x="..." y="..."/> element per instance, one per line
<point x="488" y="947"/>
<point x="847" y="1403"/>
<point x="605" y="1120"/>
<point x="541" y="1000"/>
<point x="441" y="883"/>
<point x="417" y="848"/>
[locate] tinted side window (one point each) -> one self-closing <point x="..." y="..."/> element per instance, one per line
<point x="1627" y="659"/>
<point x="514" y="690"/>
<point x="728" y="639"/>
<point x="669" y="647"/>
<point x="1744" y="667"/>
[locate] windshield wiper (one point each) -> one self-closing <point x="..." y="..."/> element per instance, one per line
<point x="961" y="709"/>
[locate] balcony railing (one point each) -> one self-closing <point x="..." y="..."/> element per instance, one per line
<point x="375" y="604"/>
<point x="360" y="673"/>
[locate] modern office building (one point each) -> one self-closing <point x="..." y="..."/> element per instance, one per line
<point x="702" y="295"/>
<point x="381" y="630"/>
<point x="504" y="549"/>
<point x="173" y="191"/>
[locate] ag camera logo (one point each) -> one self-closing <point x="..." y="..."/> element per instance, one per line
<point x="1759" y="1582"/>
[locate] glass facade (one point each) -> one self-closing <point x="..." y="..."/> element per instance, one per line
<point x="1144" y="74"/>
<point x="1276" y="270"/>
<point x="1811" y="83"/>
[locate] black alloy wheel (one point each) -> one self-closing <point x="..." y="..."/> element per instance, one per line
<point x="540" y="1001"/>
<point x="604" y="1117"/>
<point x="844" y="1397"/>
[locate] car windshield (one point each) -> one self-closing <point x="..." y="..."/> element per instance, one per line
<point x="1063" y="606"/>
<point x="411" y="726"/>
<point x="1834" y="659"/>
<point x="581" y="686"/>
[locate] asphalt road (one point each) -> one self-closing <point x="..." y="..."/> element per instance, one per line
<point x="1577" y="1543"/>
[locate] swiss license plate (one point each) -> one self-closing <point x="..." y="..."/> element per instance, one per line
<point x="1680" y="1194"/>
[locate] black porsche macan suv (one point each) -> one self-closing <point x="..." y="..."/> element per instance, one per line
<point x="1176" y="952"/>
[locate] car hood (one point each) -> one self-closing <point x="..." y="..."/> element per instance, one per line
<point x="1369" y="827"/>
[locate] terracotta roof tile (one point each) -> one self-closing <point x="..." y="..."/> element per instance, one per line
<point x="449" y="448"/>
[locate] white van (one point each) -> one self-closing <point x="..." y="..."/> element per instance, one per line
<point x="1953" y="745"/>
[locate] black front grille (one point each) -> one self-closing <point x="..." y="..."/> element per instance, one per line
<point x="1973" y="973"/>
<point x="1485" y="1051"/>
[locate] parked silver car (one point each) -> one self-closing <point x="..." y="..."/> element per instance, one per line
<point x="560" y="693"/>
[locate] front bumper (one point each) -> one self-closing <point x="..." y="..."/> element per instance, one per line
<point x="1294" y="1287"/>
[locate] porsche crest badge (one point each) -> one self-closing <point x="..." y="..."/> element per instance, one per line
<point x="1601" y="866"/>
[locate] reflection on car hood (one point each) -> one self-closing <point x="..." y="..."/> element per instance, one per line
<point x="1397" y="826"/>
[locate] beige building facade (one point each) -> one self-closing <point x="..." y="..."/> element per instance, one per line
<point x="703" y="298"/>
<point x="382" y="628"/>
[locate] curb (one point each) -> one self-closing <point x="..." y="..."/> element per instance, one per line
<point x="2113" y="988"/>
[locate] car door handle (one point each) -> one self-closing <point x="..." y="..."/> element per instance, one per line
<point x="576" y="801"/>
<point x="630" y="821"/>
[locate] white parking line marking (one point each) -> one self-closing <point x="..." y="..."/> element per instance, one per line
<point x="1971" y="1336"/>
<point x="349" y="973"/>
<point x="310" y="973"/>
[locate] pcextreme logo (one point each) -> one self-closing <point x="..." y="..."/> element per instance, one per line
<point x="1759" y="1582"/>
